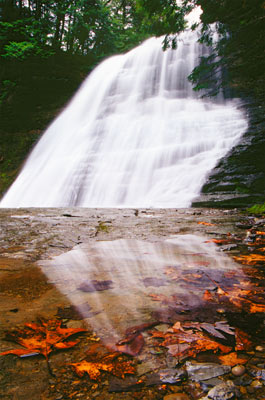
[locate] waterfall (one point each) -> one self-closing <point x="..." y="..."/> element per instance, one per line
<point x="134" y="135"/>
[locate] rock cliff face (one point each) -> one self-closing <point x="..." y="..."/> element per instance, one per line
<point x="238" y="180"/>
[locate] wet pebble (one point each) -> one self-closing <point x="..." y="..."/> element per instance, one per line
<point x="244" y="380"/>
<point x="238" y="370"/>
<point x="251" y="389"/>
<point x="172" y="375"/>
<point x="209" y="383"/>
<point x="176" y="396"/>
<point x="224" y="391"/>
<point x="243" y="225"/>
<point x="204" y="371"/>
<point x="228" y="247"/>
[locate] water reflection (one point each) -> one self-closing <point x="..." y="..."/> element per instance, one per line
<point x="116" y="284"/>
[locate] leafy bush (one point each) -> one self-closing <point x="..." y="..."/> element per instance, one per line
<point x="18" y="50"/>
<point x="257" y="209"/>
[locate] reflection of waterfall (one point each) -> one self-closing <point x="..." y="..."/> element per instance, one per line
<point x="180" y="269"/>
<point x="134" y="135"/>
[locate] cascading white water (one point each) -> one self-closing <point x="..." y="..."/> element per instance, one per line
<point x="135" y="135"/>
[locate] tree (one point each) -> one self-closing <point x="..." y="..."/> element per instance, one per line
<point x="239" y="49"/>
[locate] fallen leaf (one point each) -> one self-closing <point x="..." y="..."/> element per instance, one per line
<point x="197" y="343"/>
<point x="223" y="326"/>
<point x="42" y="338"/>
<point x="251" y="259"/>
<point x="211" y="329"/>
<point x="109" y="362"/>
<point x="133" y="348"/>
<point x="177" y="327"/>
<point x="258" y="242"/>
<point x="157" y="297"/>
<point x="232" y="359"/>
<point x="189" y="344"/>
<point x="207" y="296"/>
<point x="173" y="272"/>
<point x="257" y="308"/>
<point x="243" y="341"/>
<point x="95" y="286"/>
<point x="153" y="281"/>
<point x="134" y="331"/>
<point x="206" y="223"/>
<point x="262" y="249"/>
<point x="217" y="241"/>
<point x="92" y="369"/>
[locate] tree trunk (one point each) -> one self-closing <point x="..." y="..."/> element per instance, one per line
<point x="38" y="9"/>
<point x="20" y="6"/>
<point x="72" y="35"/>
<point x="57" y="32"/>
<point x="62" y="31"/>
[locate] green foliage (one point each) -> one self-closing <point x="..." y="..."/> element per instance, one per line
<point x="257" y="209"/>
<point x="18" y="50"/>
<point x="237" y="59"/>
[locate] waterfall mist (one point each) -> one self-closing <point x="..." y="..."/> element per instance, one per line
<point x="134" y="135"/>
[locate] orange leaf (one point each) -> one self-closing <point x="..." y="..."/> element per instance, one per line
<point x="19" y="352"/>
<point x="157" y="297"/>
<point x="42" y="338"/>
<point x="92" y="369"/>
<point x="119" y="369"/>
<point x="217" y="241"/>
<point x="232" y="359"/>
<point x="185" y="344"/>
<point x="206" y="223"/>
<point x="250" y="259"/>
<point x="254" y="308"/>
<point x="207" y="296"/>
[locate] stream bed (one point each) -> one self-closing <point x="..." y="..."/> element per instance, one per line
<point x="131" y="304"/>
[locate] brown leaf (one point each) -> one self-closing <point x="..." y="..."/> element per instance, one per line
<point x="95" y="286"/>
<point x="232" y="359"/>
<point x="242" y="340"/>
<point x="211" y="329"/>
<point x="188" y="344"/>
<point x="134" y="331"/>
<point x="41" y="338"/>
<point x="153" y="281"/>
<point x="133" y="348"/>
<point x="197" y="343"/>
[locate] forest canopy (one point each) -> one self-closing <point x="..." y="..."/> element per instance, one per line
<point x="94" y="29"/>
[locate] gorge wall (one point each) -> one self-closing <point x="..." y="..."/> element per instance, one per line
<point x="238" y="180"/>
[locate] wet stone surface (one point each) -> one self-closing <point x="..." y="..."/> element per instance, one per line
<point x="171" y="303"/>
